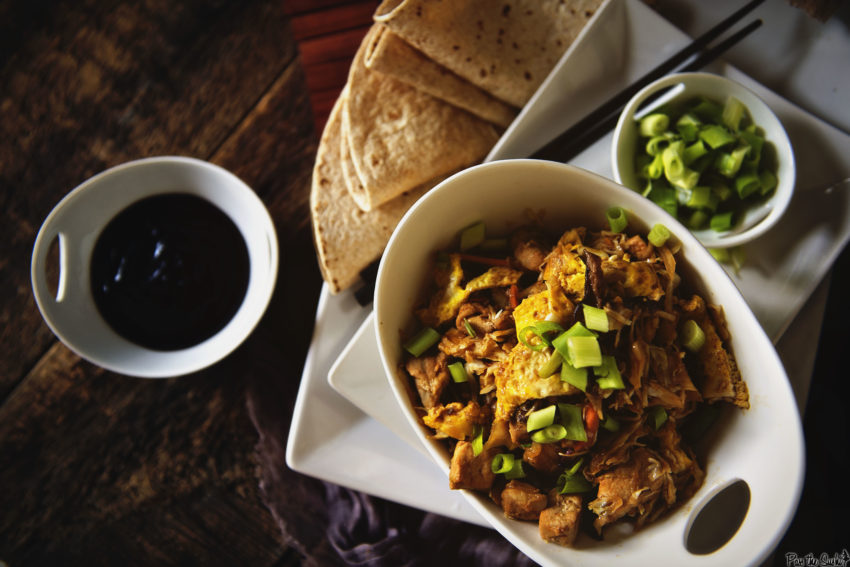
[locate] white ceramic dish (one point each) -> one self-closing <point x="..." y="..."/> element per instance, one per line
<point x="757" y="217"/>
<point x="762" y="446"/>
<point x="76" y="223"/>
<point x="779" y="275"/>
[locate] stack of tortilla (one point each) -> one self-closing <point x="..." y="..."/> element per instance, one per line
<point x="430" y="89"/>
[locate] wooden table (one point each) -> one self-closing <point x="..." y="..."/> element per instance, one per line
<point x="101" y="468"/>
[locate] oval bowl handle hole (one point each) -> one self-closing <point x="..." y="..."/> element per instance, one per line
<point x="52" y="269"/>
<point x="718" y="519"/>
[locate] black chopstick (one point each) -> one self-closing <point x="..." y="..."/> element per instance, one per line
<point x="572" y="141"/>
<point x="580" y="141"/>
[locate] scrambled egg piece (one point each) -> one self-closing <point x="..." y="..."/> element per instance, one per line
<point x="454" y="420"/>
<point x="518" y="380"/>
<point x="637" y="279"/>
<point x="565" y="270"/>
<point x="547" y="305"/>
<point x="444" y="306"/>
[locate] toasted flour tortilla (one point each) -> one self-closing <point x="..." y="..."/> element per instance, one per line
<point x="507" y="48"/>
<point x="391" y="55"/>
<point x="400" y="137"/>
<point x="347" y="239"/>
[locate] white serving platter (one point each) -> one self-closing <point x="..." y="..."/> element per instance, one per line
<point x="333" y="436"/>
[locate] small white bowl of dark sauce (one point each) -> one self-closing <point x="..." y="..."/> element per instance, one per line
<point x="165" y="266"/>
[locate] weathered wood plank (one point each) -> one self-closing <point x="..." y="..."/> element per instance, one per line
<point x="333" y="20"/>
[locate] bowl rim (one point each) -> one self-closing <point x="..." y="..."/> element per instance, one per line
<point x="780" y="200"/>
<point x="73" y="302"/>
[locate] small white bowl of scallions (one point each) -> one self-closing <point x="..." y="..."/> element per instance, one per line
<point x="710" y="152"/>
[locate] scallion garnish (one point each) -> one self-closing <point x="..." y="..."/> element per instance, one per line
<point x="595" y="318"/>
<point x="693" y="337"/>
<point x="617" y="219"/>
<point x="659" y="234"/>
<point x="574" y="376"/>
<point x="572" y="481"/>
<point x="657" y="416"/>
<point x="555" y="361"/>
<point x="540" y="418"/>
<point x="469" y="330"/>
<point x="458" y="372"/>
<point x="502" y="463"/>
<point x="571" y="419"/>
<point x="422" y="341"/>
<point x="654" y="124"/>
<point x="608" y="374"/>
<point x="549" y="434"/>
<point x="472" y="236"/>
<point x="477" y="439"/>
<point x="584" y="351"/>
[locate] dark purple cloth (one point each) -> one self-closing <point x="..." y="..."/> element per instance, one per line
<point x="332" y="525"/>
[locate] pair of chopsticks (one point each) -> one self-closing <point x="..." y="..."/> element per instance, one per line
<point x="593" y="126"/>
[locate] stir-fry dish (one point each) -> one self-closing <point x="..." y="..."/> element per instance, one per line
<point x="570" y="375"/>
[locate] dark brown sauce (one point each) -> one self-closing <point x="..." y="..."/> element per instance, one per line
<point x="169" y="271"/>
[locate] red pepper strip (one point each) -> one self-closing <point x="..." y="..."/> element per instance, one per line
<point x="591" y="419"/>
<point x="512" y="295"/>
<point x="484" y="260"/>
<point x="591" y="426"/>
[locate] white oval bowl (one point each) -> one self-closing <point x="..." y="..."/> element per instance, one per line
<point x="77" y="221"/>
<point x="757" y="218"/>
<point x="762" y="445"/>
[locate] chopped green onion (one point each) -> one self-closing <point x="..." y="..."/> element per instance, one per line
<point x="469" y="330"/>
<point x="658" y="415"/>
<point x="655" y="168"/>
<point x="693" y="337"/>
<point x="516" y="470"/>
<point x="768" y="181"/>
<point x="595" y="318"/>
<point x="729" y="163"/>
<point x="571" y="419"/>
<point x="422" y="341"/>
<point x="708" y="110"/>
<point x="540" y="418"/>
<point x="551" y="366"/>
<point x="654" y="124"/>
<point x="700" y="197"/>
<point x="733" y="112"/>
<point x="616" y="219"/>
<point x="608" y="374"/>
<point x="472" y="236"/>
<point x="716" y="136"/>
<point x="658" y="235"/>
<point x="722" y="191"/>
<point x="584" y="351"/>
<point x="721" y="221"/>
<point x="737" y="255"/>
<point x="694" y="152"/>
<point x="697" y="220"/>
<point x="656" y="144"/>
<point x="610" y="424"/>
<point x="540" y="330"/>
<point x="502" y="463"/>
<point x="674" y="164"/>
<point x="746" y="184"/>
<point x="573" y="376"/>
<point x="572" y="481"/>
<point x="720" y="254"/>
<point x="458" y="372"/>
<point x="549" y="434"/>
<point x="477" y="440"/>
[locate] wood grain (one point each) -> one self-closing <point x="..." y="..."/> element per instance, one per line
<point x="103" y="468"/>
